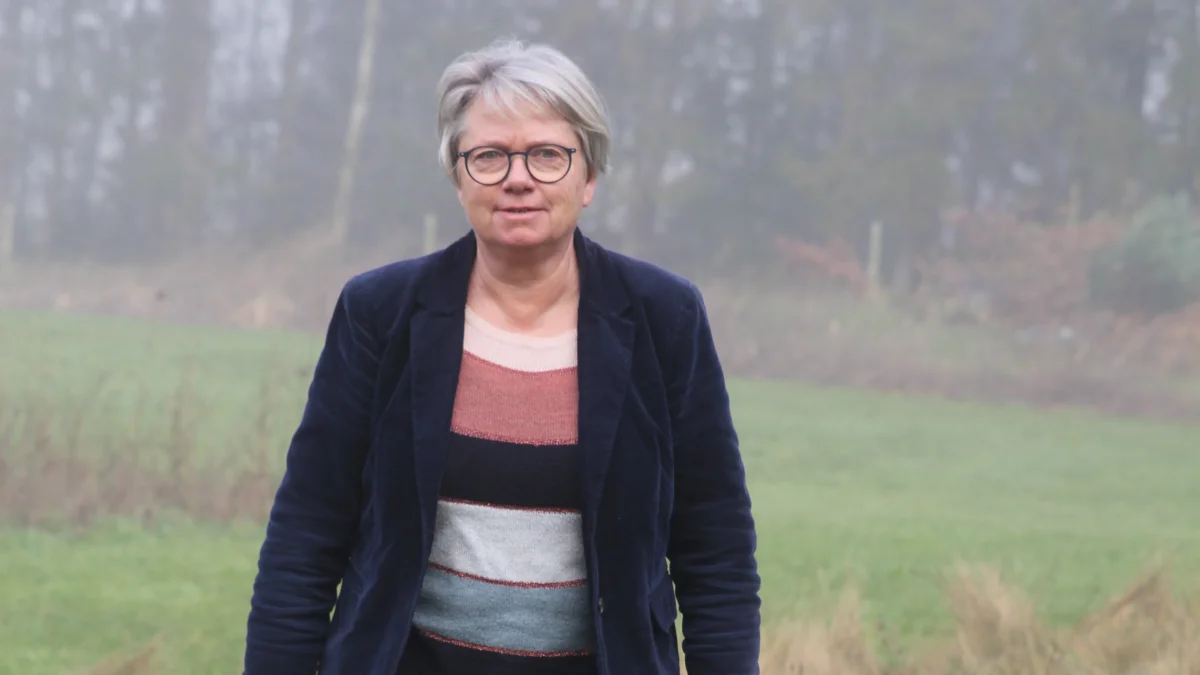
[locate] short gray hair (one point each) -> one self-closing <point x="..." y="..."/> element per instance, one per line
<point x="508" y="71"/>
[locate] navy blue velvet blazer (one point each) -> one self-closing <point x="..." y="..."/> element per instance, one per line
<point x="663" y="476"/>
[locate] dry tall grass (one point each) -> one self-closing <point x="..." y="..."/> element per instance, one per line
<point x="54" y="473"/>
<point x="146" y="661"/>
<point x="1148" y="630"/>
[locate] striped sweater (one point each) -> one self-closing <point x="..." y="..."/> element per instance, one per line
<point x="506" y="590"/>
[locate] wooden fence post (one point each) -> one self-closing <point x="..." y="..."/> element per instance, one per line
<point x="430" y="233"/>
<point x="874" y="259"/>
<point x="7" y="235"/>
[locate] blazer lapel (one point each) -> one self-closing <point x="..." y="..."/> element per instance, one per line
<point x="435" y="356"/>
<point x="605" y="357"/>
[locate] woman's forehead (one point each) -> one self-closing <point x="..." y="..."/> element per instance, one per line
<point x="523" y="122"/>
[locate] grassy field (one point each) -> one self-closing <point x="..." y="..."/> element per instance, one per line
<point x="883" y="492"/>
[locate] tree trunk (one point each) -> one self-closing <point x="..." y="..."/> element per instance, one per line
<point x="66" y="110"/>
<point x="278" y="181"/>
<point x="10" y="80"/>
<point x="183" y="128"/>
<point x="360" y="107"/>
<point x="1188" y="178"/>
<point x="131" y="209"/>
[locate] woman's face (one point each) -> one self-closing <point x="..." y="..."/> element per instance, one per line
<point x="521" y="212"/>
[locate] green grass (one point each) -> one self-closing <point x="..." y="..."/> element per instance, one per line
<point x="886" y="491"/>
<point x="124" y="374"/>
<point x="68" y="601"/>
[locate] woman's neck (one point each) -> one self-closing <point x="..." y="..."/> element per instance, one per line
<point x="535" y="292"/>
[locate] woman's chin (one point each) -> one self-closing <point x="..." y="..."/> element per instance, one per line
<point x="521" y="234"/>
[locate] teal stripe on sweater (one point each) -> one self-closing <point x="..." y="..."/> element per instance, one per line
<point x="506" y="618"/>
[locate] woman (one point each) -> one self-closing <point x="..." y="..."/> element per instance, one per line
<point x="507" y="441"/>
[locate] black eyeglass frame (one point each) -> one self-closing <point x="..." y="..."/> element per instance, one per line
<point x="570" y="161"/>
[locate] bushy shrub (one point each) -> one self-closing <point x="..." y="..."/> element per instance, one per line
<point x="1155" y="268"/>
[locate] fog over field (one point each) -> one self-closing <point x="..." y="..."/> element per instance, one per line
<point x="950" y="252"/>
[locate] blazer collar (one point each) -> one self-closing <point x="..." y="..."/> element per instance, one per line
<point x="444" y="289"/>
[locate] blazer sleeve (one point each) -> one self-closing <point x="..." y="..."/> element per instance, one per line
<point x="315" y="514"/>
<point x="713" y="540"/>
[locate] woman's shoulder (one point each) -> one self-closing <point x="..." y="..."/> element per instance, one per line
<point x="380" y="295"/>
<point x="652" y="285"/>
<point x="376" y="285"/>
<point x="387" y="279"/>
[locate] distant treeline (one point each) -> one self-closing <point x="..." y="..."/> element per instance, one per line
<point x="136" y="129"/>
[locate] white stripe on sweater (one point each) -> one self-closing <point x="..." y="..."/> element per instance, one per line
<point x="509" y="545"/>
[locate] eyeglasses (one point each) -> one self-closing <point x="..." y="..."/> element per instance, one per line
<point x="547" y="163"/>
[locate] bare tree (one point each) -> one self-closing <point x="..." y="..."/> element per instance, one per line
<point x="10" y="56"/>
<point x="183" y="126"/>
<point x="359" y="109"/>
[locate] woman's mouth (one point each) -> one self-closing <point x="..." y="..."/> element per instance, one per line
<point x="519" y="215"/>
